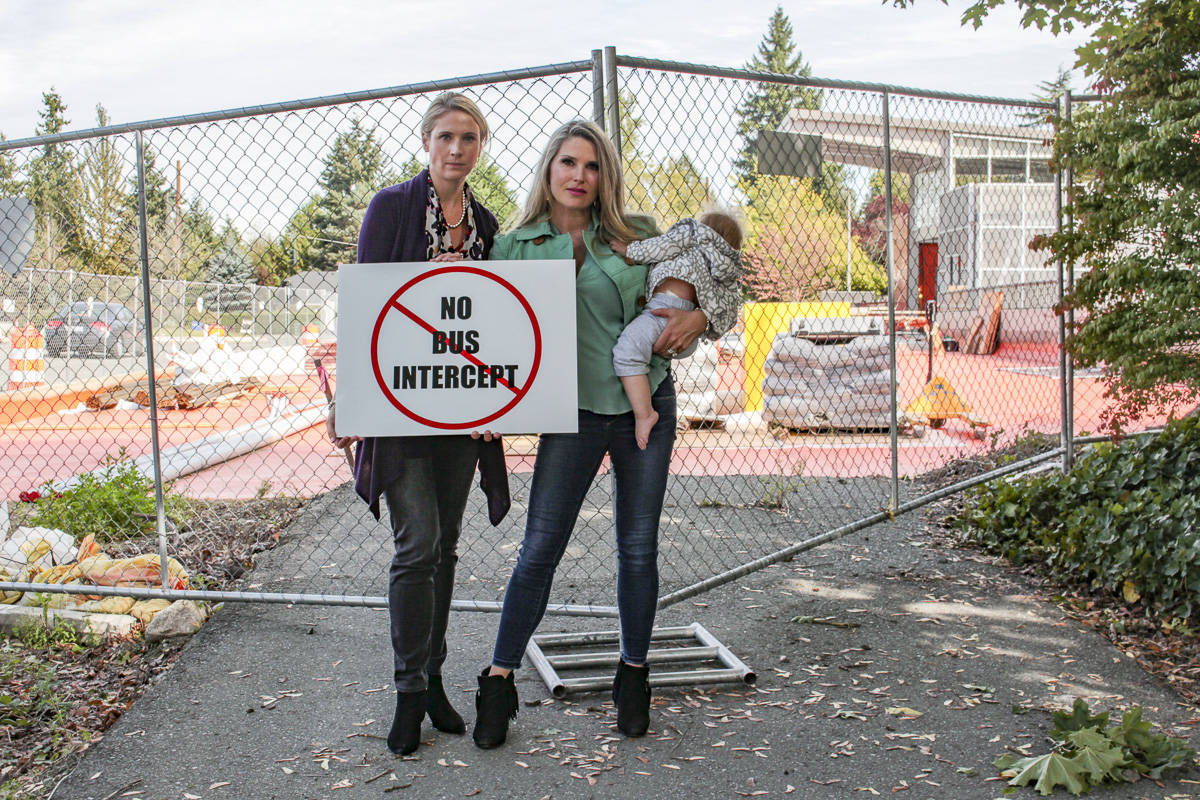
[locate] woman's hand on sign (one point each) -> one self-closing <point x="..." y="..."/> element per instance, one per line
<point x="334" y="439"/>
<point x="443" y="257"/>
<point x="487" y="436"/>
<point x="683" y="328"/>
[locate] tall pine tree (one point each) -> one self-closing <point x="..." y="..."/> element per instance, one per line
<point x="108" y="232"/>
<point x="231" y="268"/>
<point x="354" y="171"/>
<point x="767" y="107"/>
<point x="53" y="188"/>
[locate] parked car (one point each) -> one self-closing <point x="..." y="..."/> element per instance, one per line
<point x="104" y="329"/>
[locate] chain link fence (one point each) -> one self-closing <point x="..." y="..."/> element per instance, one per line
<point x="138" y="250"/>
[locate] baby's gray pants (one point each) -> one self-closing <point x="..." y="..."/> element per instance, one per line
<point x="631" y="355"/>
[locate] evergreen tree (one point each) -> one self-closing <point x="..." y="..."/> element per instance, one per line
<point x="292" y="252"/>
<point x="230" y="264"/>
<point x="767" y="107"/>
<point x="354" y="171"/>
<point x="195" y="241"/>
<point x="10" y="184"/>
<point x="53" y="188"/>
<point x="230" y="267"/>
<point x="108" y="230"/>
<point x="490" y="188"/>
<point x="1050" y="91"/>
<point x="159" y="197"/>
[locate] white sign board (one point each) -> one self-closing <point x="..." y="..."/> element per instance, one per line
<point x="449" y="348"/>
<point x="16" y="233"/>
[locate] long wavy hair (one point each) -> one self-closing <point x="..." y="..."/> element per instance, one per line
<point x="609" y="207"/>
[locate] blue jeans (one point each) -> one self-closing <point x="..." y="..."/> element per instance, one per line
<point x="565" y="467"/>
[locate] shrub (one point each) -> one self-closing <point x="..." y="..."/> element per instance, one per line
<point x="113" y="503"/>
<point x="1125" y="519"/>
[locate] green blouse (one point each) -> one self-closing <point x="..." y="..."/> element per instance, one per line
<point x="609" y="293"/>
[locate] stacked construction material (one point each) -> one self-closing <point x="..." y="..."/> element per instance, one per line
<point x="832" y="378"/>
<point x="697" y="391"/>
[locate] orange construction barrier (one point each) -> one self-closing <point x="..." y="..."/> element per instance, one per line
<point x="26" y="359"/>
<point x="309" y="335"/>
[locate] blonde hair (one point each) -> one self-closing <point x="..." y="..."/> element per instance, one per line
<point x="725" y="224"/>
<point x="614" y="223"/>
<point x="446" y="102"/>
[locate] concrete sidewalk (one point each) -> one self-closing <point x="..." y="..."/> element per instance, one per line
<point x="274" y="702"/>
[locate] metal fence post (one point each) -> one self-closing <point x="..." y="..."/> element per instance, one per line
<point x="614" y="101"/>
<point x="143" y="234"/>
<point x="893" y="427"/>
<point x="598" y="87"/>
<point x="1064" y="402"/>
<point x="1069" y="322"/>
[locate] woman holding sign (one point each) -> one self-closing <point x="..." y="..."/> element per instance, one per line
<point x="575" y="211"/>
<point x="426" y="479"/>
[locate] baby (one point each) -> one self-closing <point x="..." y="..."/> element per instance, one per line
<point x="695" y="263"/>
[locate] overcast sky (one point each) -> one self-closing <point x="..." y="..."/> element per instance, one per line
<point x="146" y="60"/>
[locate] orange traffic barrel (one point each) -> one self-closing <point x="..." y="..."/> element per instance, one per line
<point x="26" y="358"/>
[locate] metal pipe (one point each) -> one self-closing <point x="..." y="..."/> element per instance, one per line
<point x="545" y="671"/>
<point x="290" y="598"/>
<point x="1069" y="373"/>
<point x="607" y="637"/>
<point x="556" y="609"/>
<point x="614" y="97"/>
<point x="725" y="655"/>
<point x="666" y="655"/>
<point x="145" y="593"/>
<point x="160" y="515"/>
<point x="847" y="529"/>
<point x="598" y="87"/>
<point x="1064" y="433"/>
<point x="697" y="677"/>
<point x="826" y="83"/>
<point x="893" y="422"/>
<point x="565" y="68"/>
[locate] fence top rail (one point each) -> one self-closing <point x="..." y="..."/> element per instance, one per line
<point x="526" y="73"/>
<point x="825" y="83"/>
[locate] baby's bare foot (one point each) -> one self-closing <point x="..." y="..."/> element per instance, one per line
<point x="642" y="427"/>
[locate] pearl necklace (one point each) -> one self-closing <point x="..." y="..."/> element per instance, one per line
<point x="461" y="217"/>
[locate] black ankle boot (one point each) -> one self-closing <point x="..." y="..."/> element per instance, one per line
<point x="631" y="696"/>
<point x="495" y="705"/>
<point x="441" y="713"/>
<point x="405" y="735"/>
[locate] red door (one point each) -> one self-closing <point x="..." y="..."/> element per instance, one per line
<point x="927" y="259"/>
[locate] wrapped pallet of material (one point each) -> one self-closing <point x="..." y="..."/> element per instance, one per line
<point x="696" y="386"/>
<point x="840" y="385"/>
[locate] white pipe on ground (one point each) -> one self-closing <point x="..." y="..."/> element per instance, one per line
<point x="189" y="457"/>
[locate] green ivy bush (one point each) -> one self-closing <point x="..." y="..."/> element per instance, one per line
<point x="113" y="503"/>
<point x="1126" y="519"/>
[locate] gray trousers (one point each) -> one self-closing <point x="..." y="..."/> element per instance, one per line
<point x="425" y="504"/>
<point x="635" y="345"/>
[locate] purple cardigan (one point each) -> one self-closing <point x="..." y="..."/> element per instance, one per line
<point x="393" y="230"/>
